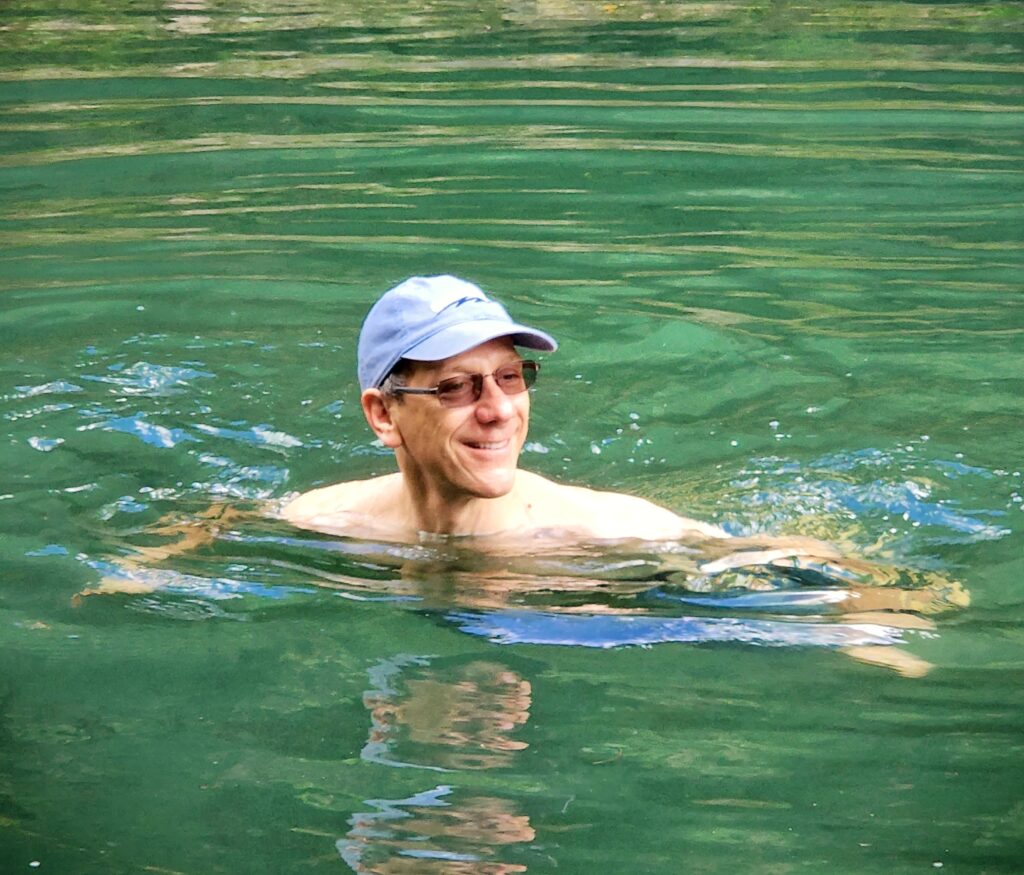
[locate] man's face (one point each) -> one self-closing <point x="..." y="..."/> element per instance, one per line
<point x="471" y="450"/>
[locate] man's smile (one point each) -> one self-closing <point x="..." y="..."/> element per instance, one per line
<point x="488" y="445"/>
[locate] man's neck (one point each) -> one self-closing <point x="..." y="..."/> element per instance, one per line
<point x="431" y="511"/>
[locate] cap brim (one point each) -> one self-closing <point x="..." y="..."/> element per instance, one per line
<point x="457" y="339"/>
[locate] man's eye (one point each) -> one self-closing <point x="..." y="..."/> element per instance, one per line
<point x="454" y="386"/>
<point x="509" y="376"/>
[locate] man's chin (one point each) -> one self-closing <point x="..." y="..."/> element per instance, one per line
<point x="494" y="484"/>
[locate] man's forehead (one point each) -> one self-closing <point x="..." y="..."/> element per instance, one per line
<point x="499" y="346"/>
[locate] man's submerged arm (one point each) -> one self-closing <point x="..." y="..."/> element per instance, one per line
<point x="191" y="533"/>
<point x="187" y="533"/>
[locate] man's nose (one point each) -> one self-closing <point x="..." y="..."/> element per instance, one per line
<point x="494" y="405"/>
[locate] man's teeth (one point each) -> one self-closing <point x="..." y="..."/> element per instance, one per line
<point x="492" y="445"/>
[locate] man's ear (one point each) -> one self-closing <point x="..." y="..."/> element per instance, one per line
<point x="378" y="415"/>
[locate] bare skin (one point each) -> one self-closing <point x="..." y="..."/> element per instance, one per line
<point x="534" y="508"/>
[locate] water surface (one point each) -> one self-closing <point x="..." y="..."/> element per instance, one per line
<point x="780" y="247"/>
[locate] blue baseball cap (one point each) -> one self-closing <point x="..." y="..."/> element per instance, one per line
<point x="430" y="318"/>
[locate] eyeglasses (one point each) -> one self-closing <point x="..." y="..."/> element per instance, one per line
<point x="512" y="379"/>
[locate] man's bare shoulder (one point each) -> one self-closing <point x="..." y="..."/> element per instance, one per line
<point x="335" y="504"/>
<point x="607" y="515"/>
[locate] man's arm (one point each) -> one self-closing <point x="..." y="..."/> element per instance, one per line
<point x="134" y="573"/>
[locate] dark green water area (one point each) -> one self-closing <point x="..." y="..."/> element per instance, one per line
<point x="781" y="247"/>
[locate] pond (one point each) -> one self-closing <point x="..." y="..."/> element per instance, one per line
<point x="780" y="246"/>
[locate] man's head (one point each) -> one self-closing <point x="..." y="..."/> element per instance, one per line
<point x="431" y="318"/>
<point x="446" y="333"/>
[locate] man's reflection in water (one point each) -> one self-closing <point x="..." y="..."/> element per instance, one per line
<point x="443" y="718"/>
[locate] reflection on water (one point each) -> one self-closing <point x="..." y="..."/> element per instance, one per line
<point x="441" y="718"/>
<point x="461" y="719"/>
<point x="432" y="833"/>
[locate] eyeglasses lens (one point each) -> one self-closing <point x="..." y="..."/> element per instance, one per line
<point x="466" y="389"/>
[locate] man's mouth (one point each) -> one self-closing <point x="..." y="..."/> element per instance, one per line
<point x="488" y="445"/>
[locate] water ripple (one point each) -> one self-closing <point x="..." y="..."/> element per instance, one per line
<point x="259" y="435"/>
<point x="605" y="631"/>
<point x="56" y="387"/>
<point x="143" y="378"/>
<point x="148" y="432"/>
<point x="902" y="488"/>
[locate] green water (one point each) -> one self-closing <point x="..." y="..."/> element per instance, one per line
<point x="780" y="245"/>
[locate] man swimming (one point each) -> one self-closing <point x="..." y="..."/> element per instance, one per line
<point x="444" y="387"/>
